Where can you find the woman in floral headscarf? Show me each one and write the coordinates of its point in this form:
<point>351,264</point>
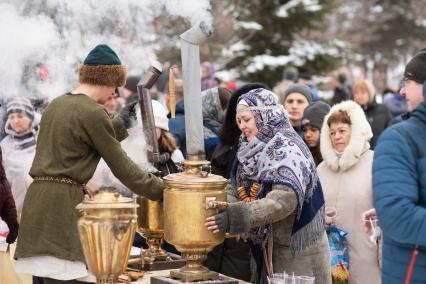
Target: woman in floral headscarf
<point>276,199</point>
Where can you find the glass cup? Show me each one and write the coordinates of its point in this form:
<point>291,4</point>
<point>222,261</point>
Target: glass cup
<point>375,229</point>
<point>284,278</point>
<point>305,280</point>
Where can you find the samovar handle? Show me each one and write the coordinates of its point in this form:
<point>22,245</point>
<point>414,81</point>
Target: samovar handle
<point>205,170</point>
<point>211,203</point>
<point>120,229</point>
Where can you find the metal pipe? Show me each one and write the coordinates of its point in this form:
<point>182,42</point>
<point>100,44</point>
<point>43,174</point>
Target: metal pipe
<point>190,52</point>
<point>148,123</point>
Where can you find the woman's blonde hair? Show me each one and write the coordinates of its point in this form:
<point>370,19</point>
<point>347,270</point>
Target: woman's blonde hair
<point>167,143</point>
<point>364,86</point>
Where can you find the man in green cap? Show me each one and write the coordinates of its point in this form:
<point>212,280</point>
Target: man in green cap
<point>75,132</point>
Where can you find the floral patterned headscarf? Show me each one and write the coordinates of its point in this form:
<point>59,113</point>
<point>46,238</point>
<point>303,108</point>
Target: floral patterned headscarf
<point>277,155</point>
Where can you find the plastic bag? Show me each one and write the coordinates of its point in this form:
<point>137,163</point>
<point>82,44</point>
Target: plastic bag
<point>339,255</point>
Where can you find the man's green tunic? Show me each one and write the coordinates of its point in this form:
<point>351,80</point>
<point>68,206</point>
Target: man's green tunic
<point>75,132</point>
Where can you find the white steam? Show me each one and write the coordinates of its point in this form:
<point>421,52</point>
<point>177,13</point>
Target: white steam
<point>59,34</point>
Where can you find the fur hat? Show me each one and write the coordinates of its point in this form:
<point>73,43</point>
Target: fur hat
<point>314,114</point>
<point>160,115</point>
<point>102,67</point>
<point>301,89</point>
<point>360,135</point>
<point>21,105</point>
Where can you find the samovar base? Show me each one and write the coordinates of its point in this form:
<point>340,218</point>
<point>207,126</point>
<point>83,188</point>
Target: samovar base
<point>107,280</point>
<point>192,276</point>
<point>150,256</point>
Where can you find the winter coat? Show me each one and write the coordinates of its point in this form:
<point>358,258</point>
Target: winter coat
<point>75,132</point>
<point>7,204</point>
<point>399,189</point>
<point>222,159</point>
<point>347,186</point>
<point>396,104</point>
<point>278,208</point>
<point>379,118</point>
<point>170,166</point>
<point>340,94</point>
<point>18,154</point>
<point>177,126</point>
<point>232,257</point>
<point>316,154</point>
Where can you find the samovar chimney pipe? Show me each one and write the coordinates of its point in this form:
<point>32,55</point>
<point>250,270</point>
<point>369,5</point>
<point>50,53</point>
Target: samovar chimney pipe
<point>190,50</point>
<point>148,123</point>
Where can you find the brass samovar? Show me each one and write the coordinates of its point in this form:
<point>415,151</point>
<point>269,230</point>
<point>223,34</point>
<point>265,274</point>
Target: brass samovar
<point>151,224</point>
<point>188,200</point>
<point>150,213</point>
<point>190,196</point>
<point>106,230</point>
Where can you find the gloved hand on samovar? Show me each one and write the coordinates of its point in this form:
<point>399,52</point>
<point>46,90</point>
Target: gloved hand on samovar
<point>233,219</point>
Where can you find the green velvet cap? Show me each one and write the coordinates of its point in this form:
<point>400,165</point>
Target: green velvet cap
<point>102,54</point>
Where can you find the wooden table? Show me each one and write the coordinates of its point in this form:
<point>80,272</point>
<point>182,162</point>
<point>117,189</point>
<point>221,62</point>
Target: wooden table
<point>147,276</point>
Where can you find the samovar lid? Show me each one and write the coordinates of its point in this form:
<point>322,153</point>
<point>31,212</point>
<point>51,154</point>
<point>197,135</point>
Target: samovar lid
<point>197,174</point>
<point>107,197</point>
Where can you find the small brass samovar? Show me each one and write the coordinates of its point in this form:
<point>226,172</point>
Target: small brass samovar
<point>107,229</point>
<point>151,224</point>
<point>150,213</point>
<point>188,201</point>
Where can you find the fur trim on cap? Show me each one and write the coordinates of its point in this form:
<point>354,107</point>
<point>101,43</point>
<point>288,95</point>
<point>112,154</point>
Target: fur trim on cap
<point>103,75</point>
<point>360,135</point>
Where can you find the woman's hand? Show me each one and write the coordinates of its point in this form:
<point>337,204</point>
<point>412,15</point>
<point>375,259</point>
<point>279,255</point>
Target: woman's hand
<point>366,216</point>
<point>218,222</point>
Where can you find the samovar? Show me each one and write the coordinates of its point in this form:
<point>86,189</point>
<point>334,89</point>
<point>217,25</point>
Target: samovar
<point>107,228</point>
<point>188,200</point>
<point>151,224</point>
<point>190,196</point>
<point>150,213</point>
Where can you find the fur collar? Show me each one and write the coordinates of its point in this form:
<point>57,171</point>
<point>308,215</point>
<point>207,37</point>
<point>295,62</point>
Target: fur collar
<point>358,144</point>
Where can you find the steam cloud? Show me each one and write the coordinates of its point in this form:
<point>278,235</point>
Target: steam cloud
<point>59,34</point>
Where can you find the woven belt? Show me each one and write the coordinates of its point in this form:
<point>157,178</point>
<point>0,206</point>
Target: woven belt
<point>62,180</point>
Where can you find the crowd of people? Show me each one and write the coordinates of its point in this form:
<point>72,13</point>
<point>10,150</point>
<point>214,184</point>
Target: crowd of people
<point>292,158</point>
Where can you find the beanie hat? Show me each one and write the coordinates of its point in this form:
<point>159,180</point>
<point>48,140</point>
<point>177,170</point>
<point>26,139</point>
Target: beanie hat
<point>102,67</point>
<point>301,89</point>
<point>132,83</point>
<point>416,68</point>
<point>21,105</point>
<point>160,115</point>
<point>314,114</point>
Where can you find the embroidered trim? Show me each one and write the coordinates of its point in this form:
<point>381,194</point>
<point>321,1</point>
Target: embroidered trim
<point>273,107</point>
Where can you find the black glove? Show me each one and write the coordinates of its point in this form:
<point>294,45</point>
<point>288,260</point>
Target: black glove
<point>13,233</point>
<point>222,221</point>
<point>164,157</point>
<point>128,114</point>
